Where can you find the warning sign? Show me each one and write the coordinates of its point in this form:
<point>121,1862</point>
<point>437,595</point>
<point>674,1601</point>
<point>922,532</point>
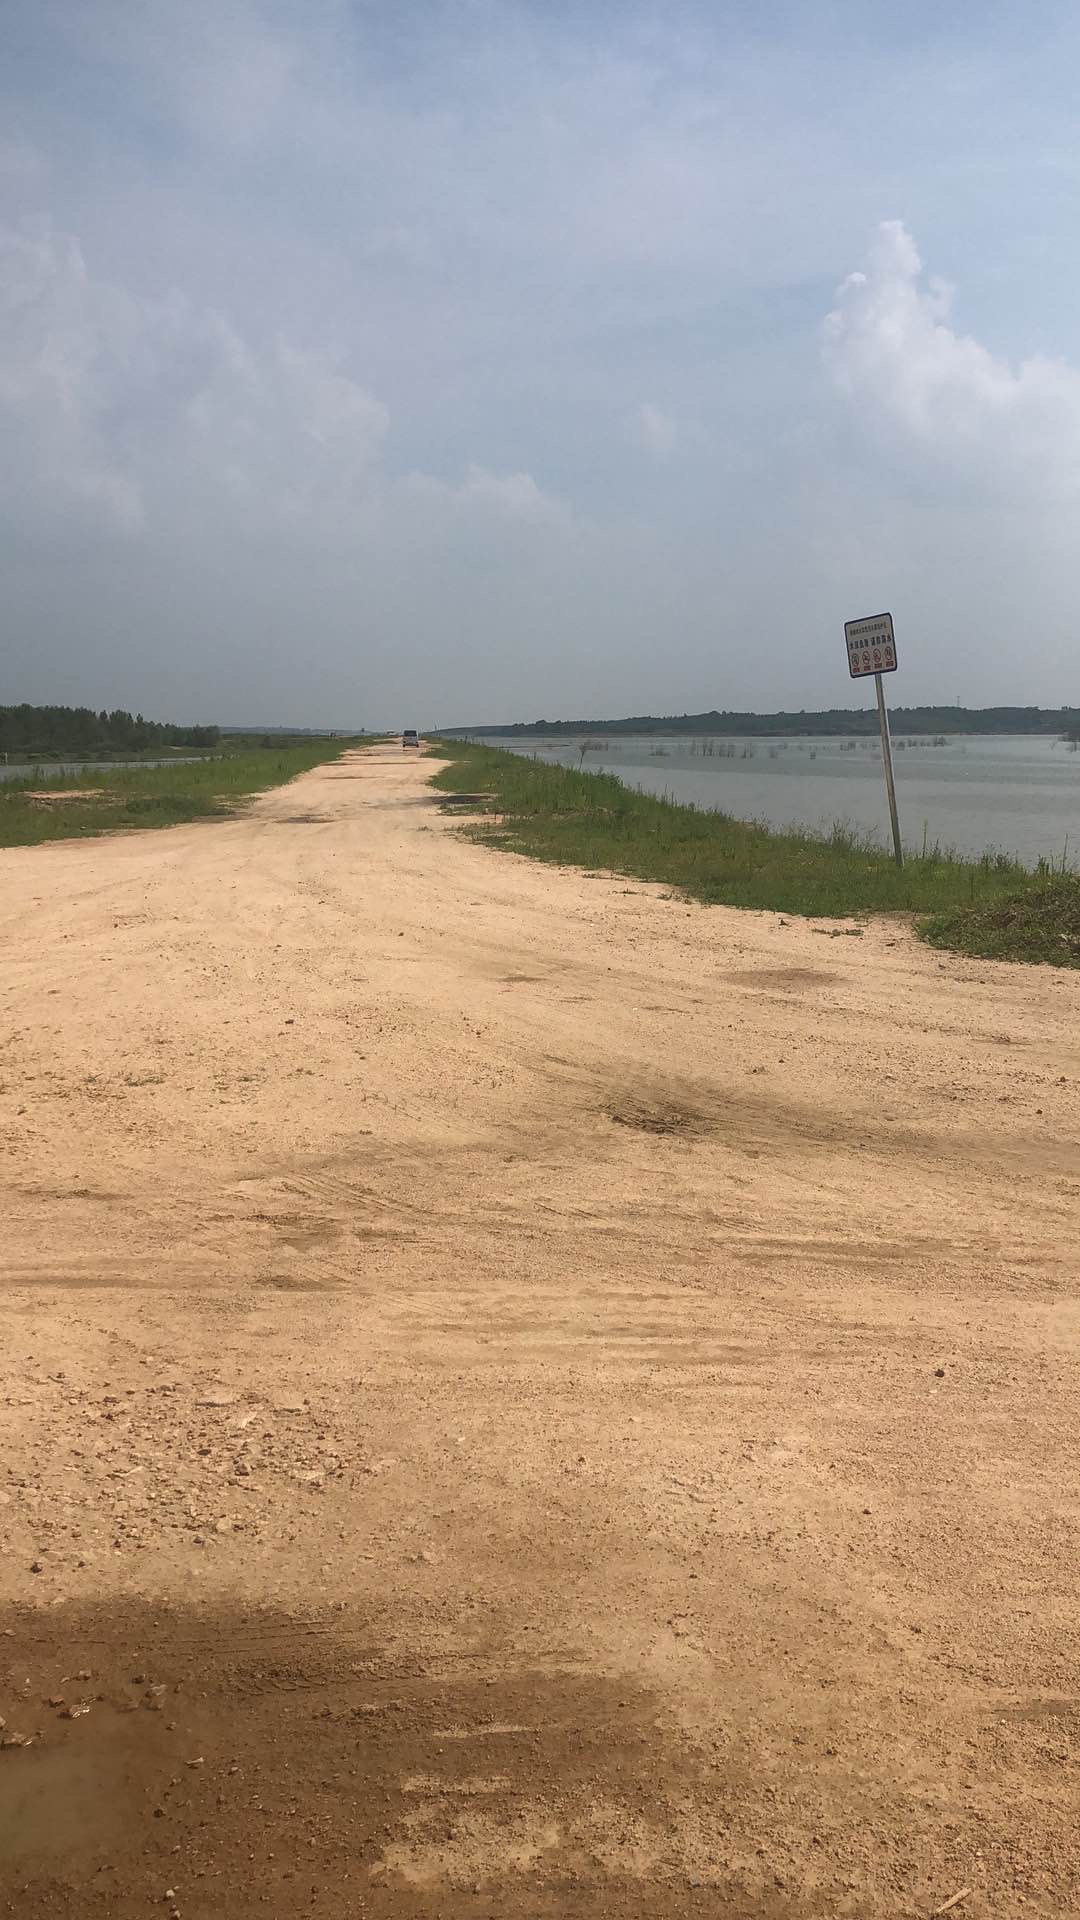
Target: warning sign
<point>871,645</point>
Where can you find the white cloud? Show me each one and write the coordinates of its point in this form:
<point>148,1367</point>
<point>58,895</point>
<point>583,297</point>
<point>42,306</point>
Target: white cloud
<point>922,387</point>
<point>161,418</point>
<point>61,342</point>
<point>653,429</point>
<point>132,411</point>
<point>513,496</point>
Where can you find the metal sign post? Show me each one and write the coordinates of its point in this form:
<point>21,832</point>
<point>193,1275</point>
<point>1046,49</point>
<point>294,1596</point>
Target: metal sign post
<point>871,648</point>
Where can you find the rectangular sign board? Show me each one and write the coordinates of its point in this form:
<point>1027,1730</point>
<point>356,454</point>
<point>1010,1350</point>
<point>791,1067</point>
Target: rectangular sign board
<point>871,645</point>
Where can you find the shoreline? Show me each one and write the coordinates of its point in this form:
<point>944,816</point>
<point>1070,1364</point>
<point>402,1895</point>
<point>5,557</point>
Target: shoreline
<point>994,906</point>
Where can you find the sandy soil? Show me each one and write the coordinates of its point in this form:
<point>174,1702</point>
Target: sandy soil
<point>522,1397</point>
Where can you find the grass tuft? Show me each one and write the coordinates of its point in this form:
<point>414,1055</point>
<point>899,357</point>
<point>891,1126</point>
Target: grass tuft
<point>1040,924</point>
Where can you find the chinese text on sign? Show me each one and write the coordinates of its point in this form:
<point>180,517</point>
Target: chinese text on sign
<point>871,645</point>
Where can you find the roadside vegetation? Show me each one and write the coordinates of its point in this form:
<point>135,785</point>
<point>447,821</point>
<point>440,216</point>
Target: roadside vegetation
<point>1040,923</point>
<point>102,799</point>
<point>591,820</point>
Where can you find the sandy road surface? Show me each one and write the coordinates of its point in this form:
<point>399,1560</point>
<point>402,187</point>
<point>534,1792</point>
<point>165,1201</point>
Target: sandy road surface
<point>521,1397</point>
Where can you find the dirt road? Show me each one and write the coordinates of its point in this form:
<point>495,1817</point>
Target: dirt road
<point>523,1397</point>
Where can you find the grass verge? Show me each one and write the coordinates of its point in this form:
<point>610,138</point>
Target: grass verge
<point>101,799</point>
<point>591,820</point>
<point>1041,924</point>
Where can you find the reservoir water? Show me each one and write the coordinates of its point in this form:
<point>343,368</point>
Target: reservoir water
<point>1014,794</point>
<point>59,769</point>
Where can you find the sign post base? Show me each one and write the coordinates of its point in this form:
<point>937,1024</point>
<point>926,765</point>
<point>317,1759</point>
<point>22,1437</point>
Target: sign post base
<point>886,754</point>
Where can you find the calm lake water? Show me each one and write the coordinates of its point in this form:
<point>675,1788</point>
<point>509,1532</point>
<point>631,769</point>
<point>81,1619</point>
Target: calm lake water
<point>1008,793</point>
<point>55,769</point>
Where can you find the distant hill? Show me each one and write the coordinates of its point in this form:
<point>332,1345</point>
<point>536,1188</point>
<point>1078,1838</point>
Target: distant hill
<point>843,720</point>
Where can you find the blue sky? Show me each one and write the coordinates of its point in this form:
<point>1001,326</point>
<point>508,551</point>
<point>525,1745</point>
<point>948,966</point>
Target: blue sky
<point>535,358</point>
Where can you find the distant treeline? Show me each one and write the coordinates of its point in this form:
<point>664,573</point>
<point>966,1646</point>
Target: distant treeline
<point>845,720</point>
<point>74,731</point>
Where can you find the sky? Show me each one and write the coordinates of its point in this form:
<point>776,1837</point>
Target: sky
<point>434,362</point>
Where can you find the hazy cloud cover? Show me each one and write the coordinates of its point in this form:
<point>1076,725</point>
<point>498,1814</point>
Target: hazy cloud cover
<point>467,360</point>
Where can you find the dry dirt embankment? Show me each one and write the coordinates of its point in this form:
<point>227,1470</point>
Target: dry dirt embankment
<point>522,1397</point>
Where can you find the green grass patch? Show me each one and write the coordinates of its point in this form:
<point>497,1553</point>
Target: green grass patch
<point>591,820</point>
<point>1040,924</point>
<point>107,798</point>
